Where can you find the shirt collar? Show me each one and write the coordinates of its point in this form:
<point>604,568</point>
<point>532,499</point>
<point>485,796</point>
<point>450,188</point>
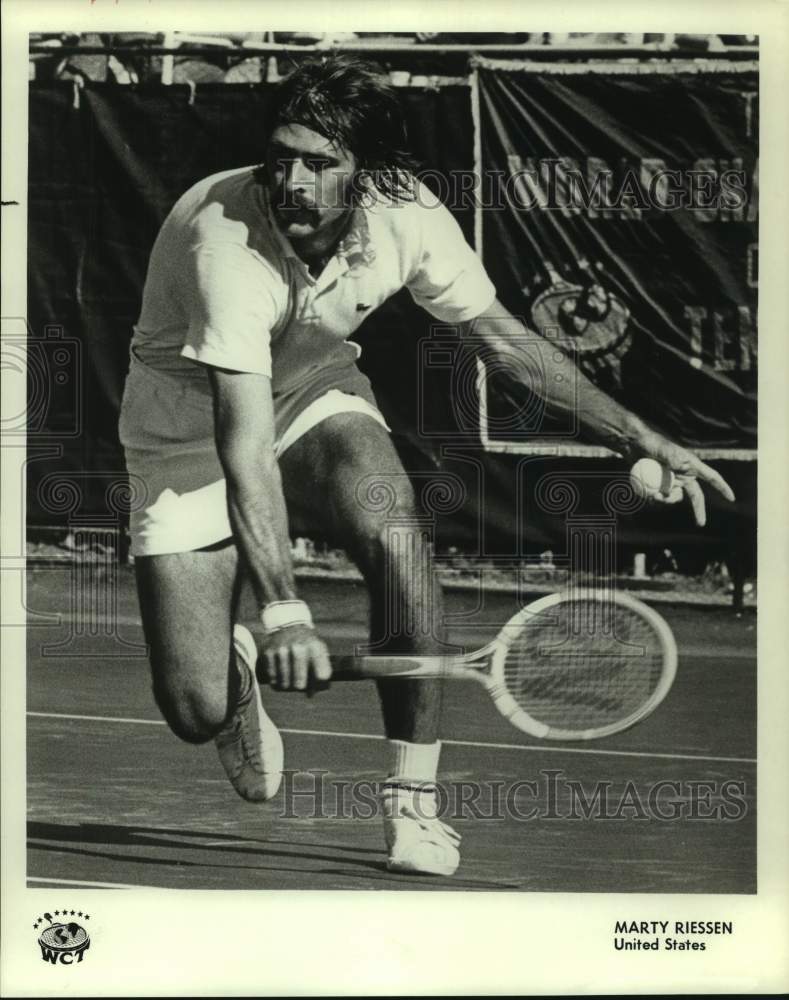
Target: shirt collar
<point>357,246</point>
<point>265,204</point>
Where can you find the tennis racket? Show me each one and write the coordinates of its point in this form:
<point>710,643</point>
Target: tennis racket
<point>575,666</point>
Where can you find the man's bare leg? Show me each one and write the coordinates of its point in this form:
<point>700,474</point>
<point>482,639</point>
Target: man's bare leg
<point>326,475</point>
<point>203,666</point>
<point>187,601</point>
<point>337,464</point>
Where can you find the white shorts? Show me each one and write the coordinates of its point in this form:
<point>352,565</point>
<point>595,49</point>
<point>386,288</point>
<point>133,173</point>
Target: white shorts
<point>167,431</point>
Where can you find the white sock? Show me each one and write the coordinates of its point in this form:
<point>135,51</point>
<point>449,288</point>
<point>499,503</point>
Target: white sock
<point>414,762</point>
<point>412,782</point>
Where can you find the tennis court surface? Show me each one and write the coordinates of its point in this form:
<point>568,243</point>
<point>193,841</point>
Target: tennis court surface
<point>114,799</point>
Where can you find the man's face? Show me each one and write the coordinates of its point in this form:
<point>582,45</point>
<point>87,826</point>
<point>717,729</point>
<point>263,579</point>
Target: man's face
<point>309,180</point>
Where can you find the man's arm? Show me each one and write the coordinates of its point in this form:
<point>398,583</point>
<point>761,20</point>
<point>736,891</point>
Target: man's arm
<point>244,429</point>
<point>531,359</point>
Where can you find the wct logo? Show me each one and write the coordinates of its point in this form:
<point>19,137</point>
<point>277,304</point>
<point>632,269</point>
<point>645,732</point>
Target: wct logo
<point>63,943</point>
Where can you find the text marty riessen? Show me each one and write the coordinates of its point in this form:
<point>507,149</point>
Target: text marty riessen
<point>667,935</point>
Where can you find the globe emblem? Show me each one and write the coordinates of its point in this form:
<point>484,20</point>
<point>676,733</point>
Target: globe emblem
<point>62,940</point>
<point>592,319</point>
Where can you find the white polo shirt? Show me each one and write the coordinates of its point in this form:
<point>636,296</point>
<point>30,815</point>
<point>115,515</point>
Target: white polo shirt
<point>225,288</point>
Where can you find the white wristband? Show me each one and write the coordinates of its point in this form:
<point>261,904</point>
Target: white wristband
<point>281,614</point>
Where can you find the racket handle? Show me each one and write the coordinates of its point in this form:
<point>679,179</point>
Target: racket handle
<point>365,667</point>
<point>359,668</point>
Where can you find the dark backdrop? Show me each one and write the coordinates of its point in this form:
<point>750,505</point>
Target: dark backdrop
<point>105,168</point>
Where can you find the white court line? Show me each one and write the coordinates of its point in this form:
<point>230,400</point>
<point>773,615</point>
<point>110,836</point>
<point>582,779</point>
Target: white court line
<point>593,751</point>
<point>96,718</point>
<point>82,884</point>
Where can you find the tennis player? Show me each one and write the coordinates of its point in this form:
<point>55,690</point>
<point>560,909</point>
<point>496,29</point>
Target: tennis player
<point>244,405</point>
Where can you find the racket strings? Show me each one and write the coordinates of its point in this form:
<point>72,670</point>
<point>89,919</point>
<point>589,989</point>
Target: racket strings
<point>579,667</point>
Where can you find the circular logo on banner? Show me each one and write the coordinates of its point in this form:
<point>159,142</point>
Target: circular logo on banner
<point>593,319</point>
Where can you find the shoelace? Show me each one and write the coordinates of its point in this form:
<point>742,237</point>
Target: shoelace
<point>440,833</point>
<point>235,733</point>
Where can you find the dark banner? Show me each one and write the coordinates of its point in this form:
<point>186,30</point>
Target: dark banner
<point>107,163</point>
<point>621,217</point>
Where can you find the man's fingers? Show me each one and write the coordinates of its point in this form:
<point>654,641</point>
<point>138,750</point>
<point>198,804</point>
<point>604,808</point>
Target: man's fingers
<point>684,463</point>
<point>673,495</point>
<point>300,661</point>
<point>271,667</point>
<point>296,660</point>
<point>715,480</point>
<point>688,469</point>
<point>318,661</point>
<point>321,663</point>
<point>320,669</point>
<point>283,667</point>
<point>696,496</point>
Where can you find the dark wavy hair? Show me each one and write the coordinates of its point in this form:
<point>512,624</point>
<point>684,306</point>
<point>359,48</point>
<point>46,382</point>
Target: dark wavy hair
<point>350,102</point>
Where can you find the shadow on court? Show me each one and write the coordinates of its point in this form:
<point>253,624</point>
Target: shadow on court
<point>193,849</point>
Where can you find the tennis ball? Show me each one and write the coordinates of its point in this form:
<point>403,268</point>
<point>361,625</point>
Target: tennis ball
<point>651,479</point>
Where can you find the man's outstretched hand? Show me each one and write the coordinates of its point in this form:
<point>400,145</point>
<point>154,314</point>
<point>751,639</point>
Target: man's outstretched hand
<point>689,471</point>
<point>294,658</point>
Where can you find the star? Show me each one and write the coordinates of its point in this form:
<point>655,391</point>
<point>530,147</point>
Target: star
<point>87,916</point>
<point>35,927</point>
<point>80,913</point>
<point>57,913</point>
<point>72,913</point>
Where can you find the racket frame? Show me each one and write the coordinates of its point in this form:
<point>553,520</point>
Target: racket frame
<point>486,665</point>
<point>497,651</point>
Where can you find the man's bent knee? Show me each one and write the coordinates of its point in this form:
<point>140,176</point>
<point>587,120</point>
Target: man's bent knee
<point>382,514</point>
<point>195,715</point>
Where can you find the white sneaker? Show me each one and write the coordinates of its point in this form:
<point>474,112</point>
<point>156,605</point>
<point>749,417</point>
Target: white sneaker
<point>250,746</point>
<point>417,840</point>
